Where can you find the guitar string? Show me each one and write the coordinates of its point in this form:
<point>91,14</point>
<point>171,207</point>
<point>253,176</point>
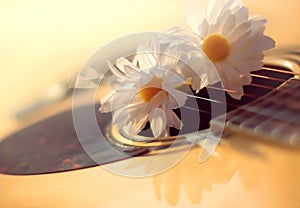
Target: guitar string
<point>261,77</point>
<point>245,94</point>
<point>268,78</point>
<point>258,85</point>
<point>232,91</point>
<point>194,109</point>
<point>280,71</point>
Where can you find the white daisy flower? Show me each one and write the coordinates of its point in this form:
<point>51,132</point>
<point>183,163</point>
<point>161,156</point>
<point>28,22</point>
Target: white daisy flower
<point>231,40</point>
<point>145,91</point>
<point>194,65</point>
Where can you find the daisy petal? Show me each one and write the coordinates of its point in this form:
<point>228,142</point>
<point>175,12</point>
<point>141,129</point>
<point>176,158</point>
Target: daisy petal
<point>132,132</point>
<point>126,66</point>
<point>246,79</point>
<point>203,29</point>
<point>119,101</point>
<point>241,15</point>
<point>120,118</point>
<point>116,71</point>
<point>239,31</point>
<point>176,98</point>
<point>214,8</point>
<point>264,42</point>
<point>145,58</point>
<point>140,124</point>
<point>177,122</point>
<point>235,92</point>
<point>170,59</point>
<point>105,99</point>
<point>230,4</point>
<point>229,74</point>
<point>172,119</point>
<point>158,121</point>
<point>154,45</point>
<point>228,25</point>
<point>258,25</point>
<point>159,99</point>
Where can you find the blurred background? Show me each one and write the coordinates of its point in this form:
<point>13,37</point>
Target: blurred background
<point>47,42</point>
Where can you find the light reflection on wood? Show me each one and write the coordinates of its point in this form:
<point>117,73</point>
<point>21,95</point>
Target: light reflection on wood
<point>263,167</point>
<point>264,176</point>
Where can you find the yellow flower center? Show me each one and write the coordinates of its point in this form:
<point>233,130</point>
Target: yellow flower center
<point>216,47</point>
<point>149,90</point>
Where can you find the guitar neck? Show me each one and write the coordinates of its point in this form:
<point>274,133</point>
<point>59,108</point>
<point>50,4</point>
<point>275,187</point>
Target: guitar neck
<point>273,117</point>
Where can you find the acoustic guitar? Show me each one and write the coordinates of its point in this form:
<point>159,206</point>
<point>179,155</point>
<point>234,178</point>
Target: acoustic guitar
<point>268,114</point>
<point>47,165</point>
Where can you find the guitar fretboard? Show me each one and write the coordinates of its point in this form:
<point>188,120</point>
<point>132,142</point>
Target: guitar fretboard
<point>275,116</point>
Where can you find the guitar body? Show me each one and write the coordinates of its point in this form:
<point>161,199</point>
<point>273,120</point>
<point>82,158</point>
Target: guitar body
<point>43,165</point>
<point>243,172</point>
